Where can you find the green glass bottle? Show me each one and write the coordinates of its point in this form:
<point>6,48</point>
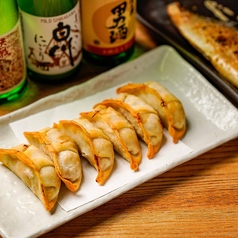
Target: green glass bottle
<point>52,38</point>
<point>108,30</point>
<point>12,60</point>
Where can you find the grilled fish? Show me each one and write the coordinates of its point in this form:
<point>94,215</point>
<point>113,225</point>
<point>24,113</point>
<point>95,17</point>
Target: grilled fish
<point>215,40</point>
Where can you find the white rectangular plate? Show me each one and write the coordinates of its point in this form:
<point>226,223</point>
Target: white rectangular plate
<point>212,120</point>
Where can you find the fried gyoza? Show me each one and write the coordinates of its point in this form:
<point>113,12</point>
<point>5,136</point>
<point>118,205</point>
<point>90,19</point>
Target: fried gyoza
<point>64,153</point>
<point>143,117</point>
<point>168,107</point>
<point>120,132</point>
<point>93,145</point>
<point>36,170</point>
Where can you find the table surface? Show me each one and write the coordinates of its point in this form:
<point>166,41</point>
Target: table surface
<point>196,199</point>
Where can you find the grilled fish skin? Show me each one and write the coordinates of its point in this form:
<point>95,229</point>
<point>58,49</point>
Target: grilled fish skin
<point>212,38</point>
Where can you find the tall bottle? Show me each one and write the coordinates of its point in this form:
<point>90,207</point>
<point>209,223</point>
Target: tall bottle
<point>12,60</point>
<point>108,30</point>
<point>52,38</point>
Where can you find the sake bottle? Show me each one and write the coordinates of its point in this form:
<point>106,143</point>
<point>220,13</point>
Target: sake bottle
<point>12,60</point>
<point>52,38</point>
<point>108,30</point>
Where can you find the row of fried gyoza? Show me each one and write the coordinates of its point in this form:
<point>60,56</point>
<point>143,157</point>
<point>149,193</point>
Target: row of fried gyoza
<point>54,153</point>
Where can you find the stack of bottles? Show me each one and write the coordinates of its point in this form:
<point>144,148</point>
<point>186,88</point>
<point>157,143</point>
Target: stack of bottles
<point>57,34</point>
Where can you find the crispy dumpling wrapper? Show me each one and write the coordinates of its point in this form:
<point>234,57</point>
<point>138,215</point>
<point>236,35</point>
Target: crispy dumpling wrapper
<point>142,116</point>
<point>93,145</point>
<point>120,132</point>
<point>169,108</point>
<point>36,170</point>
<point>64,153</point>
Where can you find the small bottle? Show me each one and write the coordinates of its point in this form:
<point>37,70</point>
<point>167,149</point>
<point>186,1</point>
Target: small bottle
<point>52,38</point>
<point>108,30</point>
<point>12,60</point>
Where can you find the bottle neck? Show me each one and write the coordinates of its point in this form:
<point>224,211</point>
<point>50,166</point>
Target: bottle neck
<point>8,15</point>
<point>47,8</point>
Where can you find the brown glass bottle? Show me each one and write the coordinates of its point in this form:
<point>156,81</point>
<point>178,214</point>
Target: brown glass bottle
<point>108,30</point>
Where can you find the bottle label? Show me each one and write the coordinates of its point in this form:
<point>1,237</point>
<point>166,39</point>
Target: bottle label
<point>52,44</point>
<point>12,62</point>
<point>108,27</point>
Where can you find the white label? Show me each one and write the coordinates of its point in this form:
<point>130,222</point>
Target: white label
<point>53,45</point>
